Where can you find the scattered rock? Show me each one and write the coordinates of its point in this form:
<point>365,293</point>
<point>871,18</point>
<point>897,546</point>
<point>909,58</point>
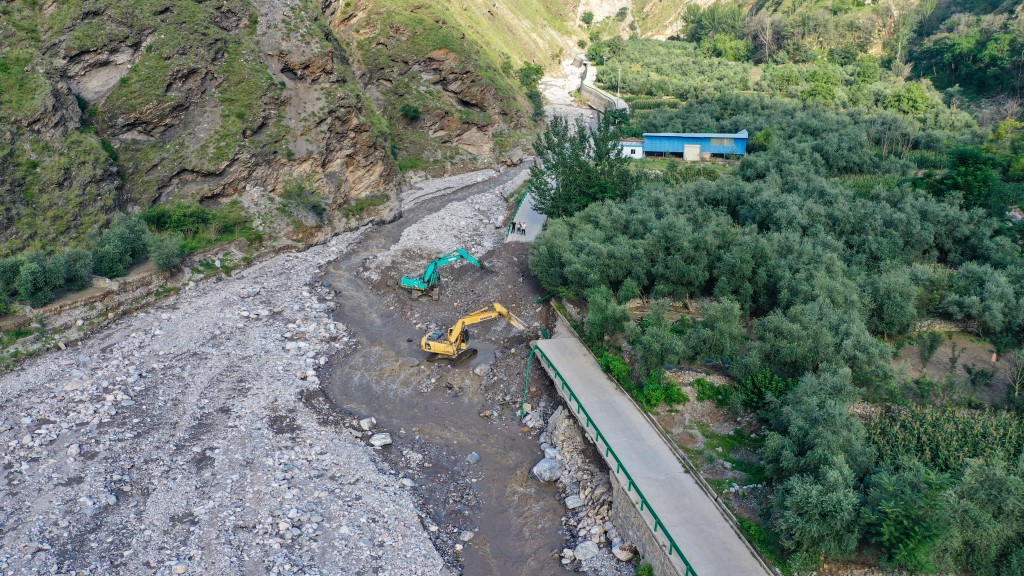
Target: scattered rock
<point>473,458</point>
<point>624,552</point>
<point>380,439</point>
<point>367,424</point>
<point>573,501</point>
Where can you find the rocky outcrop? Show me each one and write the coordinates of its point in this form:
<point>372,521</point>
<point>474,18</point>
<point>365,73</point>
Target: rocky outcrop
<point>462,109</point>
<point>202,101</point>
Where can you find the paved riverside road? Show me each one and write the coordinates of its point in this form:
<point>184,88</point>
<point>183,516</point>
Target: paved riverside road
<point>706,538</point>
<point>534,221</point>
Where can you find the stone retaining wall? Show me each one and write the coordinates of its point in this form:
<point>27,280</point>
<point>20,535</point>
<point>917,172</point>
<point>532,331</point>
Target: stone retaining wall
<point>627,517</point>
<point>626,514</point>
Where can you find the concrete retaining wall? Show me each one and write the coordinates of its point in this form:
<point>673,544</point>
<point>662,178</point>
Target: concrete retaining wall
<point>601,100</point>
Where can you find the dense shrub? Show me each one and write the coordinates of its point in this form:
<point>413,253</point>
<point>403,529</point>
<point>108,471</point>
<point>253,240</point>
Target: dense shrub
<point>411,112</point>
<point>818,452</point>
<point>166,250</point>
<point>77,267</point>
<point>202,226</point>
<point>9,269</point>
<point>719,335</point>
<point>120,246</point>
<point>604,316</point>
<point>33,285</point>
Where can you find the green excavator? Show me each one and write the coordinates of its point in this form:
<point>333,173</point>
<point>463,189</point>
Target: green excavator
<point>431,278</point>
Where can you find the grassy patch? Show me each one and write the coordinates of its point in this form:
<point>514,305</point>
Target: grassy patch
<point>361,205</point>
<point>8,337</point>
<point>410,164</point>
<point>766,542</point>
<point>300,199</point>
<point>203,227</point>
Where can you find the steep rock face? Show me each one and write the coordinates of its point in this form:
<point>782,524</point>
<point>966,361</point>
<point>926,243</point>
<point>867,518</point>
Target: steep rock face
<point>113,105</point>
<point>454,101</point>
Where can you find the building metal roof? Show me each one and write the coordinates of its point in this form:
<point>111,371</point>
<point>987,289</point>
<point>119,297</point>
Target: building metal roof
<point>740,134</point>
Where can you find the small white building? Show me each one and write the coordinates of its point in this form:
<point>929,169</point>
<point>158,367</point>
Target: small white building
<point>632,147</point>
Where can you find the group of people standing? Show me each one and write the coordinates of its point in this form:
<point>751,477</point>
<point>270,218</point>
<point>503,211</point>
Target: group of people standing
<point>517,228</point>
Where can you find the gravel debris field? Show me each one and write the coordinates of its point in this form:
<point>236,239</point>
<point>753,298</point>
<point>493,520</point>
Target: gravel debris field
<point>177,441</point>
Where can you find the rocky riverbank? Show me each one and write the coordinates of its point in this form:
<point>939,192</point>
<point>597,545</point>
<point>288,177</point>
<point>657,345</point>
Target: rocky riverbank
<point>587,494</point>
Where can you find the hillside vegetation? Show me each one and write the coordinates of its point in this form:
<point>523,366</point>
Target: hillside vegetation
<point>108,107</point>
<point>871,205</point>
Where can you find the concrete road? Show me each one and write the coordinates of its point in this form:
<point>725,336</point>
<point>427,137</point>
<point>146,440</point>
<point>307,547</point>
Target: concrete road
<point>534,221</point>
<point>706,538</point>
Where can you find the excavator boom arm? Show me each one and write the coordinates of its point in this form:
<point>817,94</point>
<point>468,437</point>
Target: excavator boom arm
<point>455,334</point>
<point>430,275</point>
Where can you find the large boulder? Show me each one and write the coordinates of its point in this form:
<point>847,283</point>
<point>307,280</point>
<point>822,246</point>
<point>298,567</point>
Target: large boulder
<point>586,550</point>
<point>548,470</point>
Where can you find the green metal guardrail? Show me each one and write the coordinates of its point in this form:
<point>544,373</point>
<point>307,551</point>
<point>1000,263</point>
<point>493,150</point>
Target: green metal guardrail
<point>608,451</point>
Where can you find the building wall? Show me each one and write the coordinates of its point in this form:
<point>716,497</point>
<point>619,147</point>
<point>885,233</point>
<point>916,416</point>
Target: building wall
<point>676,144</point>
<point>633,150</point>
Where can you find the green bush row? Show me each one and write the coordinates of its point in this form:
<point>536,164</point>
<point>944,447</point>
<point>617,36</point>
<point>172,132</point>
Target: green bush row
<point>164,233</point>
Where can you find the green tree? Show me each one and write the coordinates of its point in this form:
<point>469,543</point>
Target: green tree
<point>869,70</point>
<point>9,269</point>
<point>605,317</point>
<point>980,293</point>
<point>988,513</point>
<point>33,286</point>
<point>578,166</point>
<point>530,75</point>
<point>893,297</point>
<point>587,18</point>
<point>819,516</point>
<point>77,268</point>
<point>907,513</point>
<point>818,452</point>
<point>728,47</point>
<point>718,18</point>
<point>654,342</point>
<point>166,250</point>
<point>120,247</point>
<point>719,335</point>
<point>910,99</point>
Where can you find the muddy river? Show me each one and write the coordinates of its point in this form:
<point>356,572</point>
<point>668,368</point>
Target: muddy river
<point>434,411</point>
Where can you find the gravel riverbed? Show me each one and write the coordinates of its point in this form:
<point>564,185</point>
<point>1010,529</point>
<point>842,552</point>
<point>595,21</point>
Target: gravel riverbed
<point>177,441</point>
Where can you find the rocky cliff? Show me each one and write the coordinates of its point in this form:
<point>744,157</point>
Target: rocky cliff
<point>444,73</point>
<point>305,110</point>
<point>126,104</point>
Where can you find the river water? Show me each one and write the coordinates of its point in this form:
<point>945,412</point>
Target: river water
<point>517,521</point>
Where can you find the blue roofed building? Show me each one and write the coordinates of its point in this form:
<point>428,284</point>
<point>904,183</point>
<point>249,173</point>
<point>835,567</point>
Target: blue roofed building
<point>694,146</point>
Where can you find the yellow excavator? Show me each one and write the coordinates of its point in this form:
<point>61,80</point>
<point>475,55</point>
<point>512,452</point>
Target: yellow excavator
<point>454,344</point>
